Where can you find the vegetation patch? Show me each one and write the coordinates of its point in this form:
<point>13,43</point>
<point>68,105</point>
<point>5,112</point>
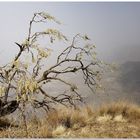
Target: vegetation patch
<point>81,123</point>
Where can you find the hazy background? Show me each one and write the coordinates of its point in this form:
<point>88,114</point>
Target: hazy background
<point>114,28</point>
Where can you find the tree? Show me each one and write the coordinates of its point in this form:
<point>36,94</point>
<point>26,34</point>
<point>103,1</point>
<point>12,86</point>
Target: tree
<point>25,82</point>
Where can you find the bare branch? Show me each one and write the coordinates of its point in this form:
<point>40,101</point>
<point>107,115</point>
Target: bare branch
<point>29,80</point>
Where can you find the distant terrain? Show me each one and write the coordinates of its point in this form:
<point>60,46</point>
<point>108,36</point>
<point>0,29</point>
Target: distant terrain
<point>130,76</point>
<point>122,84</point>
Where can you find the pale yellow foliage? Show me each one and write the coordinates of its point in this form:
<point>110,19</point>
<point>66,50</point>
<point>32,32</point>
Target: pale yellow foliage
<point>49,17</point>
<point>16,63</point>
<point>26,86</point>
<point>56,34</point>
<point>2,90</point>
<point>25,43</point>
<point>43,53</point>
<point>94,55</point>
<point>33,60</point>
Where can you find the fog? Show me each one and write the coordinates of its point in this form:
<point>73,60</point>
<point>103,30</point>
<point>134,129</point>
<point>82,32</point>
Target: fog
<point>112,26</point>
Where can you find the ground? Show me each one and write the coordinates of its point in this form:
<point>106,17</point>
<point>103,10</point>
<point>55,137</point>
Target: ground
<point>116,120</point>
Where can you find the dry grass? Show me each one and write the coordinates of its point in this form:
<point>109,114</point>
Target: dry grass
<point>127,110</point>
<point>67,118</point>
<point>116,120</point>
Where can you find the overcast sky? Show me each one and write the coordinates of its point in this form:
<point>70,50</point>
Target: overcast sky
<point>113,27</point>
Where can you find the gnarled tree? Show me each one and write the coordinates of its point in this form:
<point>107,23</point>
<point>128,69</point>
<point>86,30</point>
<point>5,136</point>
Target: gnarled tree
<point>25,81</point>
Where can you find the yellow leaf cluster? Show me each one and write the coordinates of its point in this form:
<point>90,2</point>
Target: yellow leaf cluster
<point>25,43</point>
<point>56,34</point>
<point>43,53</point>
<point>94,55</point>
<point>33,59</point>
<point>79,56</point>
<point>26,66</point>
<point>49,17</point>
<point>26,86</point>
<point>16,63</point>
<point>2,90</point>
<point>46,15</point>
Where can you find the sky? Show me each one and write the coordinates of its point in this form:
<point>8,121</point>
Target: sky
<point>114,27</point>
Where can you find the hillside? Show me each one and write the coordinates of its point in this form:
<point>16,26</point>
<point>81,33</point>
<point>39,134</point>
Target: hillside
<point>116,120</point>
<point>130,76</point>
<point>122,84</point>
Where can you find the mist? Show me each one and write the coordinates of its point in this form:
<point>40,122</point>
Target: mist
<point>112,26</point>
